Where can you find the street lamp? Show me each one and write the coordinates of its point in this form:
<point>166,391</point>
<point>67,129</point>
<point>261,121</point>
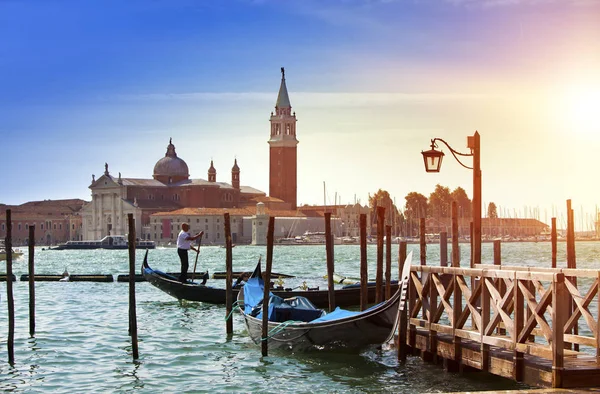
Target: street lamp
<point>433,162</point>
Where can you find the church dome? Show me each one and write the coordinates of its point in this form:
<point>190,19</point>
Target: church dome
<point>171,166</point>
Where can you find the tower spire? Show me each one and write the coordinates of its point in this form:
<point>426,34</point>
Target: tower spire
<point>283,100</point>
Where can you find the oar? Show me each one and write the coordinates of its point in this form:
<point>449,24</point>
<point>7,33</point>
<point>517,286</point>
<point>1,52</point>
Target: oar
<point>196,262</point>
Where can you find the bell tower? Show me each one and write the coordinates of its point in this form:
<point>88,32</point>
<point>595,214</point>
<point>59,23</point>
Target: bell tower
<point>282,148</point>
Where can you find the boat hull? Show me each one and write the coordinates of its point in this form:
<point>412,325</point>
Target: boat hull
<point>372,327</point>
<point>213,295</point>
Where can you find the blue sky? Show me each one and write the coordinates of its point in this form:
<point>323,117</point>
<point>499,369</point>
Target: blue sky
<point>88,82</point>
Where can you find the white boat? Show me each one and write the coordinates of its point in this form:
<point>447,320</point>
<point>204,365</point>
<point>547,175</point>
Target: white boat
<point>16,253</point>
<point>108,242</point>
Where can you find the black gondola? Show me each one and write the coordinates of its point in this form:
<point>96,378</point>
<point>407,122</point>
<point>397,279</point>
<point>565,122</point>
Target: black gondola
<point>193,291</point>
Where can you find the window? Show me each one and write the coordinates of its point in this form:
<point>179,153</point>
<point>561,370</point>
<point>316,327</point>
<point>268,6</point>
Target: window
<point>206,227</point>
<point>205,220</point>
<point>60,226</point>
<point>55,226</point>
<point>73,227</point>
<point>218,235</point>
<point>197,220</point>
<point>218,220</point>
<point>19,226</point>
<point>26,226</point>
<point>41,226</point>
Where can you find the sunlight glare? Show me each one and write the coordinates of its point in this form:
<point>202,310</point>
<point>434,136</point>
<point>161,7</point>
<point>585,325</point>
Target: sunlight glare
<point>583,109</point>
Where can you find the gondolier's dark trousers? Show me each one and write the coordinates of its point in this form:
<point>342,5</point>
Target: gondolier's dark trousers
<point>185,264</point>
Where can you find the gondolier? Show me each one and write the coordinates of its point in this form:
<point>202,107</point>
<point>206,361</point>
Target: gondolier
<point>184,244</point>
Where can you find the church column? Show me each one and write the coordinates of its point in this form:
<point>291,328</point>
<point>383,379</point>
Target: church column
<point>113,218</point>
<point>92,231</point>
<point>101,217</point>
<point>121,218</point>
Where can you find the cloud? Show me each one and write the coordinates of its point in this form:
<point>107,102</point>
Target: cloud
<point>306,99</point>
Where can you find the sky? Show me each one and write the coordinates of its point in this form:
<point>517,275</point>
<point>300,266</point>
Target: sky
<point>83,83</point>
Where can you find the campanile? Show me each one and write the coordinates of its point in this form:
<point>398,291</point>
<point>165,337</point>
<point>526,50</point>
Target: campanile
<point>282,148</point>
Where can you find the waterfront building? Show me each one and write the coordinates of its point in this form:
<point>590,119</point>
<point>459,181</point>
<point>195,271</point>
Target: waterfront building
<point>55,221</point>
<point>490,227</point>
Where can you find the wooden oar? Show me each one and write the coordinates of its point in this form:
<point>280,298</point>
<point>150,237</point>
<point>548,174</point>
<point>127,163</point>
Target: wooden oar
<point>196,262</point>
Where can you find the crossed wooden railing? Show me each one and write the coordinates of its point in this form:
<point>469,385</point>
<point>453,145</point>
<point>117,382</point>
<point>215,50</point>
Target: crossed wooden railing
<point>529,311</point>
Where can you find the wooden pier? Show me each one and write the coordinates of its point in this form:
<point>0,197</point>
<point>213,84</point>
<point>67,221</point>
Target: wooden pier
<point>534,325</point>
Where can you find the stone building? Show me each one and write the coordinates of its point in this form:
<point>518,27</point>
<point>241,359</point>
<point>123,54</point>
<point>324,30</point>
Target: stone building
<point>55,221</point>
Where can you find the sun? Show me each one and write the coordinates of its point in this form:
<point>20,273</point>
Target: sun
<point>583,109</point>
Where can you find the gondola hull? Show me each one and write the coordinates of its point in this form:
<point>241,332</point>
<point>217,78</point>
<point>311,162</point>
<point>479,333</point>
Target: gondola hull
<point>345,329</point>
<point>195,292</point>
<point>369,328</point>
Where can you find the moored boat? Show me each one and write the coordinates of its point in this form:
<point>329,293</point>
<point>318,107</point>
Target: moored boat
<point>108,242</point>
<point>298,324</point>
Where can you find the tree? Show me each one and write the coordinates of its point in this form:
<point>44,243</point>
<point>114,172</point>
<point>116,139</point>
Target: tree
<point>416,205</point>
<point>492,211</point>
<point>440,202</point>
<point>382,199</point>
<point>463,202</point>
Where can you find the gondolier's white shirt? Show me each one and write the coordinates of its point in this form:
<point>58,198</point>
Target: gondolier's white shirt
<point>182,242</point>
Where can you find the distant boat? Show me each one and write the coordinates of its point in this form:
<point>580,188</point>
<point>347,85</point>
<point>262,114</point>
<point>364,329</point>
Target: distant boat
<point>108,242</point>
<point>16,253</point>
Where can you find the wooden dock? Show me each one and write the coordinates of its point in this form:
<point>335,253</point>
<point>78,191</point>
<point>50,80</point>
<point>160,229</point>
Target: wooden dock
<point>534,325</point>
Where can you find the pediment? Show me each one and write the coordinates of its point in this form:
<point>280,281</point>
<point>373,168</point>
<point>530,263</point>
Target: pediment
<point>105,182</point>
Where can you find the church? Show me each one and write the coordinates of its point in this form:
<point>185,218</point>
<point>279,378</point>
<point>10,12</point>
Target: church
<point>155,202</point>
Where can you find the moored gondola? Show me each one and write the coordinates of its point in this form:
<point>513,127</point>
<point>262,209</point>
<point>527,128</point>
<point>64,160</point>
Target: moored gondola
<point>297,324</point>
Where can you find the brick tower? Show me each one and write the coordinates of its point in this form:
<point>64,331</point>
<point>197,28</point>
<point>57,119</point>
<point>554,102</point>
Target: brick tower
<point>282,147</point>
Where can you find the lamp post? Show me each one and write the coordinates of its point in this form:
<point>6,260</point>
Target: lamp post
<point>433,162</point>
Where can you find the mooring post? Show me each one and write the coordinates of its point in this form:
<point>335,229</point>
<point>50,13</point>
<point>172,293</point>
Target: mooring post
<point>364,271</point>
<point>554,240</point>
<point>571,263</point>
<point>228,275</point>
<point>443,249</point>
<point>561,309</point>
<point>379,272</point>
<point>455,247</point>
<point>267,285</point>
<point>330,267</point>
<point>10,343</point>
<point>388,262</point>
<point>519,322</point>
<point>31,281</point>
<point>500,284</point>
<point>422,241</point>
<point>402,323</point>
<point>132,312</point>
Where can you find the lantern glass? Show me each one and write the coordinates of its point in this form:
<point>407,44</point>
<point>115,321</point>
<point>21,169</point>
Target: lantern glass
<point>433,160</point>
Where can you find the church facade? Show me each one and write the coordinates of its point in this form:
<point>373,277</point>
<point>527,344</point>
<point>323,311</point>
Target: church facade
<point>171,189</point>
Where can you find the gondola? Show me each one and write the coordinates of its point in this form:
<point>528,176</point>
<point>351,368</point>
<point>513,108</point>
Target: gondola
<point>296,324</point>
<point>193,291</point>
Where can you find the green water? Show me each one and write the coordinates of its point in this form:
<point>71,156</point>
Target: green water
<point>82,345</point>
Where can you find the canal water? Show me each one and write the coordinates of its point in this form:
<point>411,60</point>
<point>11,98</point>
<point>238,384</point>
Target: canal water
<point>82,345</point>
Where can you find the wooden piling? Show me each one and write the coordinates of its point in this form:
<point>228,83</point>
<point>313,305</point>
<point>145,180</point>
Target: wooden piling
<point>388,262</point>
<point>330,267</point>
<point>403,316</point>
<point>10,343</point>
<point>379,272</point>
<point>455,247</point>
<point>443,249</point>
<point>497,253</point>
<point>31,281</point>
<point>572,262</point>
<point>554,240</point>
<point>132,312</point>
<point>422,241</point>
<point>364,271</point>
<point>229,275</point>
<point>472,264</point>
<point>267,284</point>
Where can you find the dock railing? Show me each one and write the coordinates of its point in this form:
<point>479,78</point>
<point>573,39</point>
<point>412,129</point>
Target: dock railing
<point>540,312</point>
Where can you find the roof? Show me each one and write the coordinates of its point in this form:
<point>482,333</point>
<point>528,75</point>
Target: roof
<point>249,211</point>
<point>283,100</point>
